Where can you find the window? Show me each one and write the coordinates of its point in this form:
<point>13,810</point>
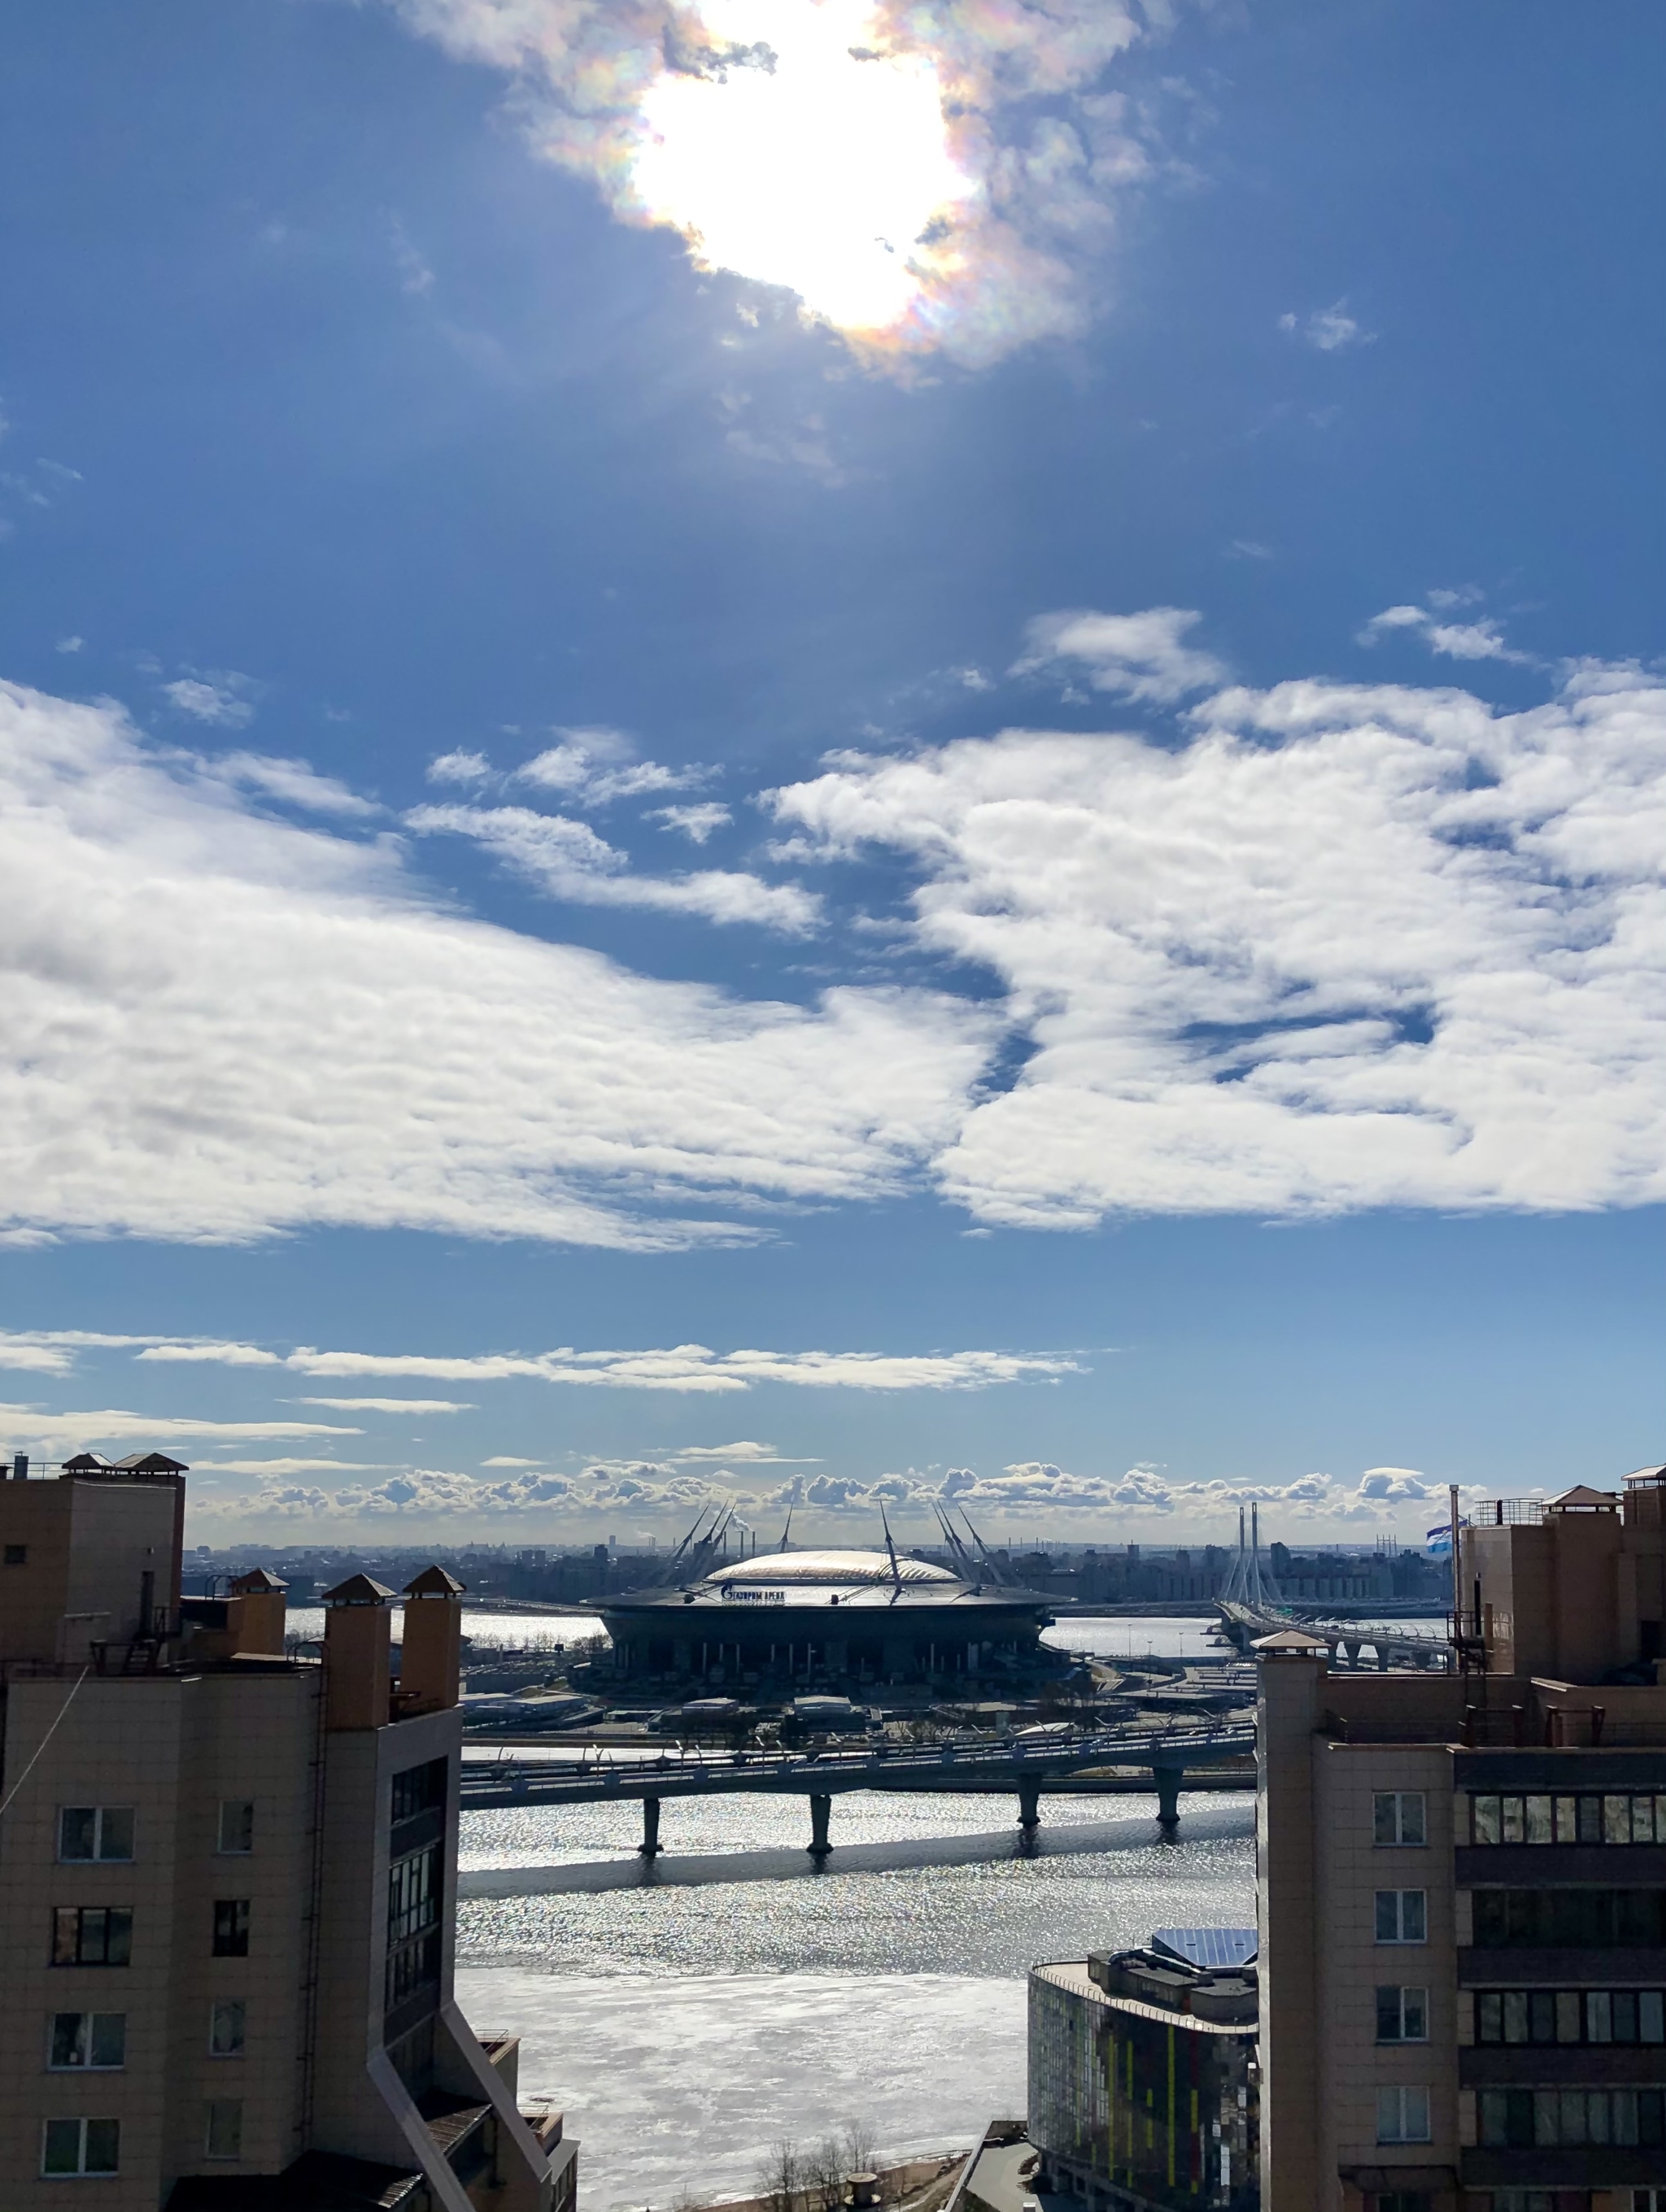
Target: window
<point>79,2147</point>
<point>88,2039</point>
<point>92,1935</point>
<point>96,1831</point>
<point>1525,2119</point>
<point>1402,2015</point>
<point>226,2028</point>
<point>413,1894</point>
<point>1626,1817</point>
<point>1403,2116</point>
<point>1400,1816</point>
<point>223,2137</point>
<point>1401,2200</point>
<point>236,1826</point>
<point>1403,1916</point>
<point>17,1555</point>
<point>419,1789</point>
<point>1570,1919</point>
<point>1551,2016</point>
<point>231,1926</point>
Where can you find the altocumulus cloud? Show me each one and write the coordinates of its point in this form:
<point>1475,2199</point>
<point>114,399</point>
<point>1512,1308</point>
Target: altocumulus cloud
<point>1326,946</point>
<point>237,1024</point>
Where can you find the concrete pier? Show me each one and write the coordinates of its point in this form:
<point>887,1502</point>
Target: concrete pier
<point>820,1808</point>
<point>1168,1779</point>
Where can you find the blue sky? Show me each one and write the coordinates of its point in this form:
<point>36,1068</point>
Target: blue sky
<point>1028,808</point>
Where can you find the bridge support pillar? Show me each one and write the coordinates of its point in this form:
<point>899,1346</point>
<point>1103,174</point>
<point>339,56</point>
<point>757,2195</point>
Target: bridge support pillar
<point>1167,1779</point>
<point>820,1807</point>
<point>649,1846</point>
<point>1029,1800</point>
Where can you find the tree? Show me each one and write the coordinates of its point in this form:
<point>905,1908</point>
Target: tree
<point>858,2147</point>
<point>780,2177</point>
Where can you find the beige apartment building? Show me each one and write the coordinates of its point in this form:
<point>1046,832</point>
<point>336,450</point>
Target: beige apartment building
<point>1462,1887</point>
<point>225,1886</point>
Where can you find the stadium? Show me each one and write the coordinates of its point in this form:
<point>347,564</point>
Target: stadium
<point>849,1619</point>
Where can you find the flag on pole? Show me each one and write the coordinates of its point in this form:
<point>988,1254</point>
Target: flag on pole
<point>1439,1543</point>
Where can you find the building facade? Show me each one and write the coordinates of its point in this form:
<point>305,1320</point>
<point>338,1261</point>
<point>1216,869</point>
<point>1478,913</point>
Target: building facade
<point>1143,2082</point>
<point>225,1885</point>
<point>1463,1888</point>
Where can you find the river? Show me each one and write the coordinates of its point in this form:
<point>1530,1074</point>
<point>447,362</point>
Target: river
<point>685,2028</point>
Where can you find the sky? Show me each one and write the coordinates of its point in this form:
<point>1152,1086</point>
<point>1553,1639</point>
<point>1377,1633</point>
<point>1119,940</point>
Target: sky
<point>833,752</point>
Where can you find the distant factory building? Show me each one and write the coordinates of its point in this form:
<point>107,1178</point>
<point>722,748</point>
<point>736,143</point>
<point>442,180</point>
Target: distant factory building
<point>851,1618</point>
<point>1143,2082</point>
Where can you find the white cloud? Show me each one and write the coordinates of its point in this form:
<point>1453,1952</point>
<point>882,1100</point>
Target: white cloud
<point>593,767</point>
<point>696,823</point>
<point>1471,641</point>
<point>191,1350</point>
<point>204,702</point>
<point>1329,330</point>
<point>390,1404</point>
<point>238,1025</point>
<point>568,859</point>
<point>296,782</point>
<point>994,154</point>
<point>286,1466</point>
<point>53,1351</point>
<point>1342,946</point>
<point>459,768</point>
<point>693,1367</point>
<point>1142,656</point>
<point>69,644</point>
<point>106,1427</point>
<point>438,1498</point>
<point>756,1454</point>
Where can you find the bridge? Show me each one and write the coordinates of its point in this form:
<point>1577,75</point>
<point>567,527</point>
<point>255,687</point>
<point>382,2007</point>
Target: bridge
<point>1424,1647</point>
<point>1022,1764</point>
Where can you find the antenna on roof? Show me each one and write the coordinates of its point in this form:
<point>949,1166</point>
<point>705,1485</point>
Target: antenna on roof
<point>896,1571</point>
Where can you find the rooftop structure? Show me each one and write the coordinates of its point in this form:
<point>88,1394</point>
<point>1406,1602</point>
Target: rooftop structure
<point>227,1877</point>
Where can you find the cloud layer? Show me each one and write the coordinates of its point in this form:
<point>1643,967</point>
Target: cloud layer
<point>993,150</point>
<point>217,1024</point>
<point>1333,946</point>
<point>1026,1498</point>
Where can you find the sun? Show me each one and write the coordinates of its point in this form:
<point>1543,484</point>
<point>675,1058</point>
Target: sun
<point>790,146</point>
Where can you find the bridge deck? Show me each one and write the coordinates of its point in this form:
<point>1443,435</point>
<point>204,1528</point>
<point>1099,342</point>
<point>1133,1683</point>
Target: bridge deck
<point>504,1782</point>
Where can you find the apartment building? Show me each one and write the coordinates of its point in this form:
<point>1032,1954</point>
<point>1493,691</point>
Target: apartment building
<point>1462,1887</point>
<point>226,1883</point>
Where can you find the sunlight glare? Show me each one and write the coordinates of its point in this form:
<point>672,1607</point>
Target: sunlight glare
<point>820,173</point>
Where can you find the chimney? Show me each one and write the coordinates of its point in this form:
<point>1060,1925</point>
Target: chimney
<point>355,1654</point>
<point>254,1614</point>
<point>432,1643</point>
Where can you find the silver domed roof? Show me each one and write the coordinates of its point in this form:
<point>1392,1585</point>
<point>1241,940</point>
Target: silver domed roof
<point>842,1568</point>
